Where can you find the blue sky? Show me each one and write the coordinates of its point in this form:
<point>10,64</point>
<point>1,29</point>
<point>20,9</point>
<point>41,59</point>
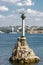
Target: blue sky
<point>10,11</point>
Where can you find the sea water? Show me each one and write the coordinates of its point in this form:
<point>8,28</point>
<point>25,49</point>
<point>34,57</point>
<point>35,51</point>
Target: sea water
<point>8,41</point>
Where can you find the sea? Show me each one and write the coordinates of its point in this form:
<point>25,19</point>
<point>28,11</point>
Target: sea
<point>8,41</point>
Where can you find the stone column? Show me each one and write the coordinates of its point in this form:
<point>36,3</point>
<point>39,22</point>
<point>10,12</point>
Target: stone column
<point>23,24</point>
<point>23,27</point>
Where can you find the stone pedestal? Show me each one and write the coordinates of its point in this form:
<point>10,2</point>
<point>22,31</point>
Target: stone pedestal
<point>22,53</point>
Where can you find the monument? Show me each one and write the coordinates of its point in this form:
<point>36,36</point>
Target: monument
<point>21,52</point>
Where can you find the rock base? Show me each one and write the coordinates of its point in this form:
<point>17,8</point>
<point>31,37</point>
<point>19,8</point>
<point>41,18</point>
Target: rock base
<point>22,53</point>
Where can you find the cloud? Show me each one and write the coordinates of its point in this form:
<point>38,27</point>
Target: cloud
<point>41,14</point>
<point>1,16</point>
<point>37,19</point>
<point>29,2</point>
<point>20,2</point>
<point>20,10</point>
<point>25,3</point>
<point>12,16</point>
<point>12,19</point>
<point>3,8</point>
<point>34,12</point>
<point>33,17</point>
<point>11,1</point>
<point>30,12</point>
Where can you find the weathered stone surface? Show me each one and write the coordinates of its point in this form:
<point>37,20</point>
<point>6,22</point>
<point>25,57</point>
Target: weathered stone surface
<point>23,53</point>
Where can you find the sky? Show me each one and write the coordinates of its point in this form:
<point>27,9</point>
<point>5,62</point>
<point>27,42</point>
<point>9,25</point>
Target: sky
<point>10,12</point>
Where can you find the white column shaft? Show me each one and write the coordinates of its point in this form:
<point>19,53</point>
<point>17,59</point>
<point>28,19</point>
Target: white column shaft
<point>23,27</point>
